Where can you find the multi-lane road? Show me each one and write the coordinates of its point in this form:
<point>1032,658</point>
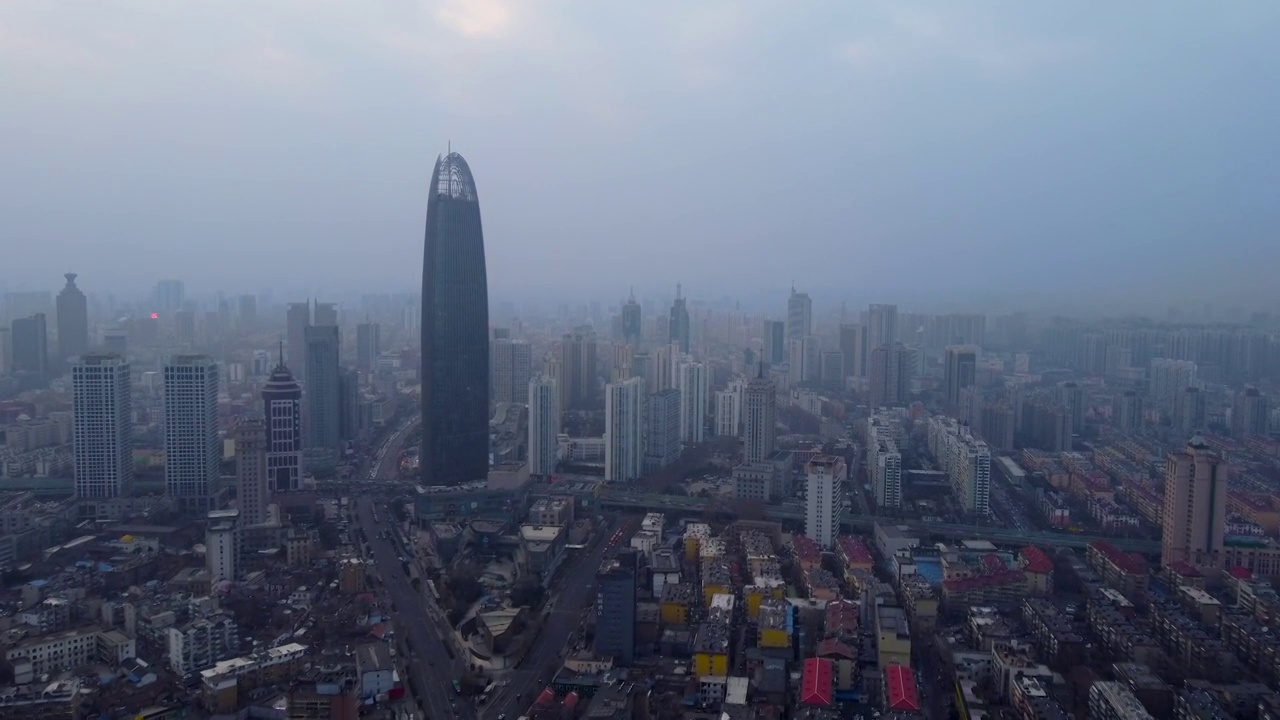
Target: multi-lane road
<point>574,591</point>
<point>429,668</point>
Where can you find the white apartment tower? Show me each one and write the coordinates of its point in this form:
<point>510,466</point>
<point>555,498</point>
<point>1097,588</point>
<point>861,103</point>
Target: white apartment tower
<point>544,425</point>
<point>510,370</point>
<point>192,448</point>
<point>222,545</point>
<point>824,498</point>
<point>728,412</point>
<point>623,430</point>
<point>102,427</point>
<point>692,378</point>
<point>759,419</point>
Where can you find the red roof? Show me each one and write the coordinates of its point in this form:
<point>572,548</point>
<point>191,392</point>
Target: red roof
<point>546,697</point>
<point>842,617</point>
<point>1184,568</point>
<point>815,682</point>
<point>571,700</point>
<point>1240,573</point>
<point>807,548</point>
<point>992,563</point>
<point>1034,560</point>
<point>855,551</point>
<point>1126,562</point>
<point>900,682</point>
<point>831,648</point>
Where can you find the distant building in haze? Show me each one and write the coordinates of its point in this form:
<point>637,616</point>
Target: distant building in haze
<point>799,316</point>
<point>253,485</point>
<point>73,323</point>
<point>321,391</point>
<point>544,425</point>
<point>679,327</point>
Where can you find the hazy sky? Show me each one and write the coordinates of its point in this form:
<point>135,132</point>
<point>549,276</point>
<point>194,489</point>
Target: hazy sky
<point>886,147</point>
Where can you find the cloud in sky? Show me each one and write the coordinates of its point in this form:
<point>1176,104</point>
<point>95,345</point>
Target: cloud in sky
<point>726,143</point>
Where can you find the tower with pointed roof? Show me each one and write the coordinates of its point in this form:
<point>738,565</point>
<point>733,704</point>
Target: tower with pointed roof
<point>282,407</point>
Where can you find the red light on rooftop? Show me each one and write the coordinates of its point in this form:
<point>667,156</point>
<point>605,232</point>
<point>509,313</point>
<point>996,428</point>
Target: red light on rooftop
<point>155,316</point>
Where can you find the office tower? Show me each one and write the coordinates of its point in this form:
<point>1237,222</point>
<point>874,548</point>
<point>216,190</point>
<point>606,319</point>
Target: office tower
<point>192,448</point>
<point>662,430</point>
<point>824,498</point>
<point>882,326</point>
<point>73,323</point>
<point>631,321</point>
<point>623,430</point>
<point>102,427</point>
<point>368,346</point>
<point>774,348</point>
<point>799,315</point>
<point>679,326</point>
<point>1195,506</point>
<point>325,315</point>
<point>795,363</point>
<point>282,406</point>
<point>1250,414</point>
<point>297,320</point>
<point>576,364</point>
<point>222,546</point>
<point>1189,414</point>
<point>853,345</point>
<point>831,369</point>
<point>544,425</point>
<point>759,419</point>
<point>1169,378</point>
<point>455,331</point>
<point>1126,411</point>
<point>30,352</point>
<point>350,406</point>
<point>6,349</point>
<point>1071,396</point>
<point>693,402</point>
<point>510,369</point>
<point>169,297</point>
<point>246,312</point>
<point>253,486</point>
<point>323,426</point>
<point>615,635</point>
<point>961,372</point>
<point>666,360</point>
<point>728,412</point>
<point>618,362</point>
<point>889,375</point>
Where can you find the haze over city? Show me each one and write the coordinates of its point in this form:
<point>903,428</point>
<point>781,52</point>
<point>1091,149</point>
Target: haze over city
<point>1097,157</point>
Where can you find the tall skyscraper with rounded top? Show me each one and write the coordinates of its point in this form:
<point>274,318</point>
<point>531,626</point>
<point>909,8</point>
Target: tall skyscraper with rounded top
<point>455,331</point>
<point>73,323</point>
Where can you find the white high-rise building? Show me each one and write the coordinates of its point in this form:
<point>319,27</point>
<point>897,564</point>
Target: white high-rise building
<point>965,459</point>
<point>192,448</point>
<point>222,545</point>
<point>102,427</point>
<point>799,315</point>
<point>882,325</point>
<point>624,430</point>
<point>544,425</point>
<point>1169,381</point>
<point>729,412</point>
<point>693,402</point>
<point>510,369</point>
<point>759,419</point>
<point>824,498</point>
